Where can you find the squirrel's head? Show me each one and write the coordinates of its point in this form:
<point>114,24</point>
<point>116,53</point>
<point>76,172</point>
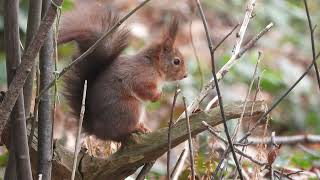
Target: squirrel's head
<point>171,61</point>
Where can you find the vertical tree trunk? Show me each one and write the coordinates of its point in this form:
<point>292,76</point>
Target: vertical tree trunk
<point>18,128</point>
<point>11,170</point>
<point>34,17</point>
<point>45,109</point>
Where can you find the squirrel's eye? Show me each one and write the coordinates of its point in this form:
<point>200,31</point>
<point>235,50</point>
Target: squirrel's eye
<point>176,61</point>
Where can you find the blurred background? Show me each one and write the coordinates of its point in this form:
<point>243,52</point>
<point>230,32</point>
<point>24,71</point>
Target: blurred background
<point>285,54</point>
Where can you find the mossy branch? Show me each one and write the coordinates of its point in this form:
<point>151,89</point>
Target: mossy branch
<point>145,148</point>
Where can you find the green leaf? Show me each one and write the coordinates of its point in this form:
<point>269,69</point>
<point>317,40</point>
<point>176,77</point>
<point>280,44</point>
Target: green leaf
<point>312,121</point>
<point>303,160</point>
<point>67,5</point>
<point>4,159</point>
<point>271,81</point>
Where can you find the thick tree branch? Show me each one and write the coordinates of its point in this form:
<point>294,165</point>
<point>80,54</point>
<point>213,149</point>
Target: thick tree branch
<point>146,148</point>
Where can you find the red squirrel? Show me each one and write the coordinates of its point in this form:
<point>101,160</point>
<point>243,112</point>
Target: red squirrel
<point>117,84</point>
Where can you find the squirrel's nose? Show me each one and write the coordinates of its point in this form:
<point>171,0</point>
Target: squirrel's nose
<point>186,75</point>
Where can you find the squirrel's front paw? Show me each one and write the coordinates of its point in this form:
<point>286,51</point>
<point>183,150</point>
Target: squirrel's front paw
<point>156,97</point>
<point>141,128</point>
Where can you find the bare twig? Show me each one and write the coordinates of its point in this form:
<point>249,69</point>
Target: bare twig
<point>209,105</point>
<point>247,96</point>
<point>40,177</point>
<point>273,144</point>
<point>289,140</point>
<point>77,145</point>
<point>189,139</point>
<point>26,64</point>
<point>211,102</point>
<point>258,89</point>
<point>222,72</point>
<point>145,170</point>
<point>205,24</point>
<point>177,91</point>
<point>239,151</point>
<point>34,119</point>
<point>221,160</point>
<point>225,37</point>
<point>55,98</point>
<point>312,42</point>
<point>246,100</point>
<point>177,163</point>
<point>225,69</point>
<point>94,46</point>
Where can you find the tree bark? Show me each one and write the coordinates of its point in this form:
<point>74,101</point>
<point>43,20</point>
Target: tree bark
<point>18,128</point>
<point>45,108</point>
<point>34,17</point>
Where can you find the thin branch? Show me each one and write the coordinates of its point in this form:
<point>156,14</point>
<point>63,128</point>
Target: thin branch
<point>189,139</point>
<point>253,41</point>
<point>247,95</point>
<point>145,170</point>
<point>258,89</point>
<point>177,91</point>
<point>211,102</point>
<point>312,42</point>
<point>273,144</point>
<point>246,99</point>
<point>77,145</point>
<point>177,163</point>
<point>278,101</point>
<point>94,46</point>
<point>205,24</point>
<point>225,37</point>
<point>221,160</point>
<point>209,105</point>
<point>34,119</point>
<point>289,140</point>
<point>239,151</point>
<point>224,70</point>
<point>27,62</point>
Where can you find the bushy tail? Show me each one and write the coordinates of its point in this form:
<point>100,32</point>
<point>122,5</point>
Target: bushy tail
<point>85,24</point>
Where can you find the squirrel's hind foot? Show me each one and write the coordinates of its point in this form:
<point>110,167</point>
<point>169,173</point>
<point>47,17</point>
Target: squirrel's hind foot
<point>134,137</point>
<point>141,128</point>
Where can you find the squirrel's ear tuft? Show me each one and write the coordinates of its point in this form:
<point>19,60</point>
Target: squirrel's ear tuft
<point>171,33</point>
<point>173,28</point>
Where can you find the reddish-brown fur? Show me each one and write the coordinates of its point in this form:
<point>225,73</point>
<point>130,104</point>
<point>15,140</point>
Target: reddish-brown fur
<point>117,84</point>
